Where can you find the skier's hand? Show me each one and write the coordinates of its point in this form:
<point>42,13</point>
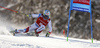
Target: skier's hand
<point>29,15</point>
<point>48,34</point>
<point>17,12</point>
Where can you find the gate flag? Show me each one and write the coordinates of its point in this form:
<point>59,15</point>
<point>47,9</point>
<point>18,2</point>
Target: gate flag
<point>80,5</point>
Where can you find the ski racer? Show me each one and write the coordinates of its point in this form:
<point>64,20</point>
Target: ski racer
<point>42,21</point>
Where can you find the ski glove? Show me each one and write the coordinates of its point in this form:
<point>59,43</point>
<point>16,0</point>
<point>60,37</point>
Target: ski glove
<point>29,15</point>
<point>48,34</point>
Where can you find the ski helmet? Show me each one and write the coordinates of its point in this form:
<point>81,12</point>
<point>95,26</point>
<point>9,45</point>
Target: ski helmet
<point>46,13</point>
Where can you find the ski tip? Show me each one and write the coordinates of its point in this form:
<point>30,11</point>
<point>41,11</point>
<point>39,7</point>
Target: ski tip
<point>12,31</point>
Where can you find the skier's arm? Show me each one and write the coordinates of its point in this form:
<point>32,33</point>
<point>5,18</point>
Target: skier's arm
<point>34,15</point>
<point>50,26</point>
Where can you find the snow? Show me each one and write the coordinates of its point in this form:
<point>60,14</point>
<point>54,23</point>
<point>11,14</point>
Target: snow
<point>24,41</point>
<point>45,42</point>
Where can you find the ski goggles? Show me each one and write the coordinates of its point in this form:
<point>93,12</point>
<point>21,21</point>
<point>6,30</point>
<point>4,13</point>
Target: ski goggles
<point>46,17</point>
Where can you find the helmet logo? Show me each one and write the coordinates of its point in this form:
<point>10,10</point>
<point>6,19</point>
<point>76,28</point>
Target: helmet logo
<point>47,13</point>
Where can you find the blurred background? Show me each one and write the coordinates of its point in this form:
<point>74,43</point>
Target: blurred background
<point>79,21</point>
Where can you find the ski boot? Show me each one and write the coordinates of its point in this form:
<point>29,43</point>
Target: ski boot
<point>14,32</point>
<point>36,34</point>
<point>47,34</point>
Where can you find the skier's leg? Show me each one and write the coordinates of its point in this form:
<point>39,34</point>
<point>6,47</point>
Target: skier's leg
<point>40,29</point>
<point>31,28</point>
<point>19,30</point>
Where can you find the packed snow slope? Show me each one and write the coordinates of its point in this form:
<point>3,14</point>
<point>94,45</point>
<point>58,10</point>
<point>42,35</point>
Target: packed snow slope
<point>24,41</point>
<point>7,41</point>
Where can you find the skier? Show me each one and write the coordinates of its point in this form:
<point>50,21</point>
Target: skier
<point>42,21</point>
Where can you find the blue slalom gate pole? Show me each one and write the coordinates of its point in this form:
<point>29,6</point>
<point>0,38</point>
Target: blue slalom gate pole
<point>91,23</point>
<point>68,24</point>
<point>91,27</point>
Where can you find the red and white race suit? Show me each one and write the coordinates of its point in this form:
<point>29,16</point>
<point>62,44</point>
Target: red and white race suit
<point>39,25</point>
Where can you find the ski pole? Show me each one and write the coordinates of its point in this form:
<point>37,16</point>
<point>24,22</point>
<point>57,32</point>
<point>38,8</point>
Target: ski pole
<point>13,11</point>
<point>22,13</point>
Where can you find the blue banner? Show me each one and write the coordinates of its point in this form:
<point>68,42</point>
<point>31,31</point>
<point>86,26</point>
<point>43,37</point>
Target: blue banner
<point>80,5</point>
